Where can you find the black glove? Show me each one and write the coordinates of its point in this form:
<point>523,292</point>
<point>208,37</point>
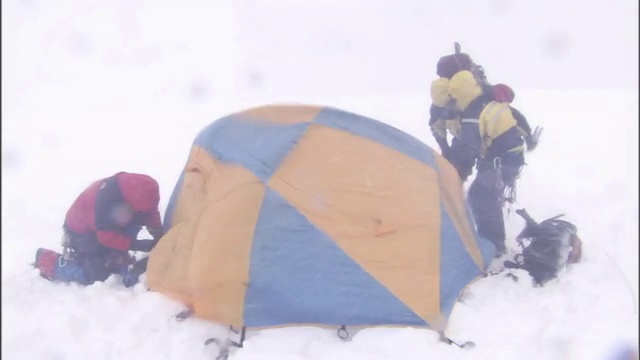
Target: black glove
<point>143,245</point>
<point>132,276</point>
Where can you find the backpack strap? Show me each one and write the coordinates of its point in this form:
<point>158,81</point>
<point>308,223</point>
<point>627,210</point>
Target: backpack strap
<point>517,263</point>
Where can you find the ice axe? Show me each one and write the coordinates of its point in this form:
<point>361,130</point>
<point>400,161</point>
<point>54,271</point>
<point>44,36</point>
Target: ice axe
<point>533,139</point>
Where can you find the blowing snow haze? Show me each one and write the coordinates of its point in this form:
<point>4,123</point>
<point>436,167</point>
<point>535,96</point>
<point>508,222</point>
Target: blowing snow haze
<point>94,87</point>
<point>264,49</point>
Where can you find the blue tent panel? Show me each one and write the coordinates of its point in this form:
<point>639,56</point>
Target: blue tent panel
<point>300,276</point>
<point>171,206</point>
<point>258,146</point>
<point>457,268</point>
<point>376,131</point>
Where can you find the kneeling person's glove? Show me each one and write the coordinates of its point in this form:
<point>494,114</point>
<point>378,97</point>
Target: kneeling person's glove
<point>143,245</point>
<point>131,277</point>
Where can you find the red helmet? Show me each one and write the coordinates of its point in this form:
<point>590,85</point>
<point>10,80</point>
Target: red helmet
<point>503,93</point>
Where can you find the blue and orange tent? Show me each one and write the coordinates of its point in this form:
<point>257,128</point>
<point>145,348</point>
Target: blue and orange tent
<point>287,215</point>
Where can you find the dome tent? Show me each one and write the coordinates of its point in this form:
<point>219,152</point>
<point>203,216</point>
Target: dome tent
<point>290,215</point>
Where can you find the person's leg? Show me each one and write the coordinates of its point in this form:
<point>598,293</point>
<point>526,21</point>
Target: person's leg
<point>95,268</point>
<point>54,267</point>
<point>485,200</point>
<point>511,165</point>
<point>462,158</point>
<point>83,244</point>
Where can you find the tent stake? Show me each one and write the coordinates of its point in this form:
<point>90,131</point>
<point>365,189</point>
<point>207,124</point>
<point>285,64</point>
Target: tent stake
<point>446,339</point>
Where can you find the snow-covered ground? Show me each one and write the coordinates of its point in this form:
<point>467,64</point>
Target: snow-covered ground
<point>94,87</point>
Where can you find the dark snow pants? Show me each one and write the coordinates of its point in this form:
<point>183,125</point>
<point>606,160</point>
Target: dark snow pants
<point>486,197</point>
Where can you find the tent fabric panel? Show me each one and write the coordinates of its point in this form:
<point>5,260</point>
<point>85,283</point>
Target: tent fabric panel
<point>457,268</point>
<point>300,276</point>
<point>380,206</point>
<point>453,198</point>
<point>377,131</point>
<point>258,146</point>
<point>281,114</point>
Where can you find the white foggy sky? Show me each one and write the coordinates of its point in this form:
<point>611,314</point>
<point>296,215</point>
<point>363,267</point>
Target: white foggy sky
<point>267,49</point>
<point>534,45</point>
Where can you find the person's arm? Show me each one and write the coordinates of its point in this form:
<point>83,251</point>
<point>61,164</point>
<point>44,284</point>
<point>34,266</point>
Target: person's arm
<point>531,138</point>
<point>521,121</point>
<point>438,127</point>
<point>109,207</point>
<point>154,224</point>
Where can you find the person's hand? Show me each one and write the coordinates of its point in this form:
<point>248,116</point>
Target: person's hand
<point>131,277</point>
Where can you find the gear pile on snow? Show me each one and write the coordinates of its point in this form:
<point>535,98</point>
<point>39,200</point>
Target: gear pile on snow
<point>547,247</point>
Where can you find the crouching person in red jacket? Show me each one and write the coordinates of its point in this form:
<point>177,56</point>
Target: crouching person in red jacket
<point>100,229</point>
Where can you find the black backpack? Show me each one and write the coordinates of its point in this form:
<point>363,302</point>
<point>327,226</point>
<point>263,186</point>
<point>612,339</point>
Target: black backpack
<point>450,65</point>
<point>552,244</point>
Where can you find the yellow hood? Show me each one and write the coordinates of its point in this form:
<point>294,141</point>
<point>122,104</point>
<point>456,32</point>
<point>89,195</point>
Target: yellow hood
<point>464,88</point>
<point>440,92</point>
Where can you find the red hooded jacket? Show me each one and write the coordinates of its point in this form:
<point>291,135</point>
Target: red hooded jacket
<point>96,209</point>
